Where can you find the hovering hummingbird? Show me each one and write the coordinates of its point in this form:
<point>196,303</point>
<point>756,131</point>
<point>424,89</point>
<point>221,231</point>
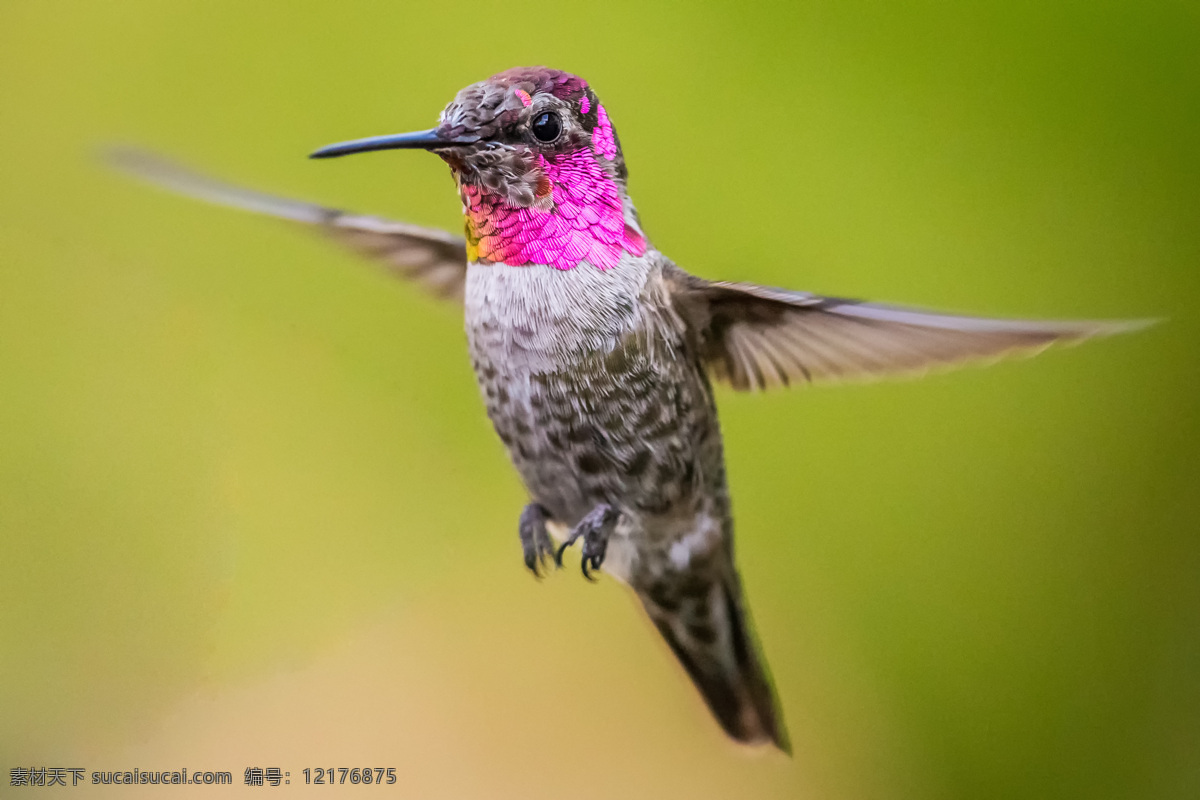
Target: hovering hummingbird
<point>595,355</point>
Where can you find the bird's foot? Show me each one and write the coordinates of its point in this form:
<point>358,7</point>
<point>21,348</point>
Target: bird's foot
<point>594,529</point>
<point>535,541</point>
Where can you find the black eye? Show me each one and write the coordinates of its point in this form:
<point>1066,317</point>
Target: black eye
<point>547,126</point>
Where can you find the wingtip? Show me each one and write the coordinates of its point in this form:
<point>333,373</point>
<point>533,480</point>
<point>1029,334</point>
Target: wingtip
<point>123,157</point>
<point>1100,329</point>
<point>141,164</point>
<point>1134,325</point>
<point>164,173</point>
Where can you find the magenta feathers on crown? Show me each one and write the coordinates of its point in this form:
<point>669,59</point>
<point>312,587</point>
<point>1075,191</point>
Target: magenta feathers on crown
<point>562,85</point>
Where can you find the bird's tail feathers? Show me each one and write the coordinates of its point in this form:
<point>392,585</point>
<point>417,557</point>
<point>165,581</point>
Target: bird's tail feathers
<point>711,635</point>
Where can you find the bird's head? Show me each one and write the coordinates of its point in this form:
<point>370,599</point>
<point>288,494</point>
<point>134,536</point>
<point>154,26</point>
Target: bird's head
<point>539,169</point>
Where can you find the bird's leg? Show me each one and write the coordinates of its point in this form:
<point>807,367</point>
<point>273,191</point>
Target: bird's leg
<point>535,541</point>
<point>594,529</point>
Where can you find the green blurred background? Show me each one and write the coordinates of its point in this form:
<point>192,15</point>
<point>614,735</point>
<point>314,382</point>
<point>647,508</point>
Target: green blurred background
<point>252,512</point>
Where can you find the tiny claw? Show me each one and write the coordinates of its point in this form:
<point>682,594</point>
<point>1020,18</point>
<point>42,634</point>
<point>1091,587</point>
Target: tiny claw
<point>594,529</point>
<point>534,540</point>
<point>533,560</point>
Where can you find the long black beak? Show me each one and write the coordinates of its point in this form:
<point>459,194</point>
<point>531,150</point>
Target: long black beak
<point>417,140</point>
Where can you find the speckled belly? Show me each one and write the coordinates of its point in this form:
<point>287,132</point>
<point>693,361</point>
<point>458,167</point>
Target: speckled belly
<point>612,427</point>
<point>599,410</point>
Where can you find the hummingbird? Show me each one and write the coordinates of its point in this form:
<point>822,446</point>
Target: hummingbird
<point>596,355</point>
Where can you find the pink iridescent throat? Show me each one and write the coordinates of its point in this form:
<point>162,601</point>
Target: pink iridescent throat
<point>585,222</point>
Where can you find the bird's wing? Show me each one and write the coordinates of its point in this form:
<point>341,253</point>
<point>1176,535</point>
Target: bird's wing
<point>432,257</point>
<point>756,337</point>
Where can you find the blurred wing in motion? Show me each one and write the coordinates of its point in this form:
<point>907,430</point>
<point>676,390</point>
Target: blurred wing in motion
<point>432,257</point>
<point>756,337</point>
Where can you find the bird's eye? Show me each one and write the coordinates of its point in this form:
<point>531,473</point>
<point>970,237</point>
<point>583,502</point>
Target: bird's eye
<point>547,126</point>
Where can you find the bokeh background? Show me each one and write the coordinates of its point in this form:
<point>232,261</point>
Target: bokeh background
<point>252,513</point>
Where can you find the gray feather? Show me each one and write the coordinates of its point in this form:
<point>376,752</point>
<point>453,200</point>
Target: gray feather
<point>429,256</point>
<point>756,337</point>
